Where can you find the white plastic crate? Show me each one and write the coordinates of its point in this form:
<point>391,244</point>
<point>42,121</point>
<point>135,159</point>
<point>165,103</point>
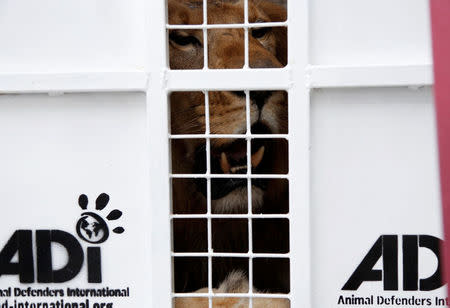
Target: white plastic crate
<point>86,111</point>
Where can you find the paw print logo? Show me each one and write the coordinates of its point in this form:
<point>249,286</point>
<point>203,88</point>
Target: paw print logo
<point>93,228</point>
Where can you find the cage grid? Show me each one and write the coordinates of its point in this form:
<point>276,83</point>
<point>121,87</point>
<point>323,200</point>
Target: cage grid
<point>208,175</point>
<point>250,255</point>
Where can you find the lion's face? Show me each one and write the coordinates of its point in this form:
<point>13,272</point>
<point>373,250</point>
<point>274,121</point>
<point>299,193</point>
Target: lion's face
<point>267,46</point>
<point>268,109</point>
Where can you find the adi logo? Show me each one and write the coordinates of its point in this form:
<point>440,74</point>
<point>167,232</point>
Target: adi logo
<point>35,261</point>
<point>386,248</point>
<point>91,227</point>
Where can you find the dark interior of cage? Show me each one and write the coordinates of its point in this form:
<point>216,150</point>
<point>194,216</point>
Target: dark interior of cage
<point>265,233</point>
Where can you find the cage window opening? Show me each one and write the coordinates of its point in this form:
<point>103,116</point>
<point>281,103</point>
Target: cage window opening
<point>188,116</point>
<point>191,235</point>
<point>258,45</point>
<point>229,156</point>
<point>227,114</point>
<point>188,156</point>
<point>254,139</point>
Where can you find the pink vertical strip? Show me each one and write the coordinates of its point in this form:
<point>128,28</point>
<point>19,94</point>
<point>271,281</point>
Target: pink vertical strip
<point>440,20</point>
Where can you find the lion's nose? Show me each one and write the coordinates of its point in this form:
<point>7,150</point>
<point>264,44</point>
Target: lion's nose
<point>260,97</point>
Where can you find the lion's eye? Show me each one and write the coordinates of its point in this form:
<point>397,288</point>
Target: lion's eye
<point>260,32</point>
<point>184,40</point>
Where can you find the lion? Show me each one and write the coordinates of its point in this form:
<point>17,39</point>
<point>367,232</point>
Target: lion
<point>268,115</point>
